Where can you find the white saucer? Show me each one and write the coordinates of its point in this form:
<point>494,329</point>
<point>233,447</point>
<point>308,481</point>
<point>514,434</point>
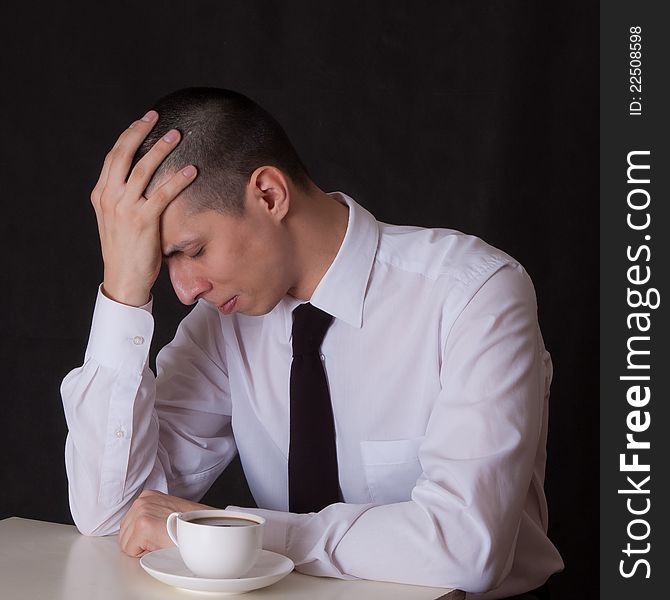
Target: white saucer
<point>167,566</point>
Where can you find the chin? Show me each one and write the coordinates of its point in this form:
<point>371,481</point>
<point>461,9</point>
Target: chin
<point>261,309</point>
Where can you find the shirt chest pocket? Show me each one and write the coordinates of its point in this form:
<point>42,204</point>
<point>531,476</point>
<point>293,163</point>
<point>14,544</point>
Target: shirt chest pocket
<point>391,468</point>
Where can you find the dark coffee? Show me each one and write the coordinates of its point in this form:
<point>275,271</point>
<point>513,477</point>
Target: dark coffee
<point>223,521</point>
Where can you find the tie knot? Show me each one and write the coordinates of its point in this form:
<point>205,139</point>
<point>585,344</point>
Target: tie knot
<point>309,328</point>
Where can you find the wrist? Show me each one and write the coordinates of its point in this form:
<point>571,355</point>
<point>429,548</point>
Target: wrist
<point>128,296</point>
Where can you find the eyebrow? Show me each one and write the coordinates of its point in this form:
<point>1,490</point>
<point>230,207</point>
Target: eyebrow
<point>177,248</point>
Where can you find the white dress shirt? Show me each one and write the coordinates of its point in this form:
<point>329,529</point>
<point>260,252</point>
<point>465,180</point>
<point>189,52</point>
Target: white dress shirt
<point>439,382</point>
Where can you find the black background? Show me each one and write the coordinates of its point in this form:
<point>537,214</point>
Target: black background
<point>478,116</point>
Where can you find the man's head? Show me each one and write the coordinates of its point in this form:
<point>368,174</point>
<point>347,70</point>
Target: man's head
<point>226,136</point>
<point>252,225</point>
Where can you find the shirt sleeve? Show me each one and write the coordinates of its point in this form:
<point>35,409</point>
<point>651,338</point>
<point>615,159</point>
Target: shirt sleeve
<point>129,430</point>
<point>459,529</point>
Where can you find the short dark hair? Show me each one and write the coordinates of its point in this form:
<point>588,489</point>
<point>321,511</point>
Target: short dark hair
<point>226,136</point>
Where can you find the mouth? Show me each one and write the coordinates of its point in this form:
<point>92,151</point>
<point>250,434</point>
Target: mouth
<point>229,306</point>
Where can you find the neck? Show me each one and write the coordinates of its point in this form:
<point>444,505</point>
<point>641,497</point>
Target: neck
<point>319,224</point>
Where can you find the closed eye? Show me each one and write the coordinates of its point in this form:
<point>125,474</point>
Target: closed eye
<point>200,252</point>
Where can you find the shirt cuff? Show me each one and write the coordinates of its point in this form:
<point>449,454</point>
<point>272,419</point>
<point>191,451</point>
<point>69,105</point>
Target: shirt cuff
<point>275,528</point>
<point>120,334</point>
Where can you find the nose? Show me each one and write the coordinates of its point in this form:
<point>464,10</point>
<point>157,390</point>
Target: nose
<point>187,284</point>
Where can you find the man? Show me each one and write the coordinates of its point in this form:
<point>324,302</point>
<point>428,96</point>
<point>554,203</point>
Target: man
<point>386,387</point>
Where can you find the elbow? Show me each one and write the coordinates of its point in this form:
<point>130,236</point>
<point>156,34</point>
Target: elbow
<point>477,581</point>
<point>93,519</point>
<point>87,529</point>
<point>92,527</point>
<point>474,572</point>
<point>476,561</point>
<point>484,573</point>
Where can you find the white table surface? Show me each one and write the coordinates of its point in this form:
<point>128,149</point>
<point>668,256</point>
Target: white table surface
<point>50,561</point>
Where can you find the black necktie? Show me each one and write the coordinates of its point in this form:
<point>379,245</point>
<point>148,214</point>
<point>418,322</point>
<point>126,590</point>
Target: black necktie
<point>312,459</point>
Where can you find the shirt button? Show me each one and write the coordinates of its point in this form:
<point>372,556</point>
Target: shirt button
<point>138,340</point>
<point>322,357</point>
<point>120,434</point>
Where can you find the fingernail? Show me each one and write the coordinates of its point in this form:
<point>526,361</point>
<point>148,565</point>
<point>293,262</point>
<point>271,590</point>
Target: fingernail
<point>170,136</point>
<point>150,116</point>
<point>188,171</point>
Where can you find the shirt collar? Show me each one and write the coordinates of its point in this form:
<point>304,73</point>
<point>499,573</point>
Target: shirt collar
<point>341,291</point>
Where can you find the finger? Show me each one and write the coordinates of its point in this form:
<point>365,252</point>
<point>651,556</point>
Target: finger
<point>150,546</point>
<point>148,534</point>
<point>124,534</point>
<point>125,521</point>
<point>128,529</point>
<point>144,125</point>
<point>126,147</point>
<point>144,170</point>
<point>128,520</point>
<point>131,538</point>
<point>100,184</point>
<point>133,546</point>
<point>167,192</point>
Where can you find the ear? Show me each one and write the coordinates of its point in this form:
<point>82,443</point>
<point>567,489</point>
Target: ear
<point>269,186</point>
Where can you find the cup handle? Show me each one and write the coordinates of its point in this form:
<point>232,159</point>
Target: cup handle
<point>171,525</point>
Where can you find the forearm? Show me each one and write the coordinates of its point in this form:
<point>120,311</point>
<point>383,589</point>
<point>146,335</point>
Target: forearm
<point>112,442</point>
<point>130,431</point>
<point>434,542</point>
<point>109,453</point>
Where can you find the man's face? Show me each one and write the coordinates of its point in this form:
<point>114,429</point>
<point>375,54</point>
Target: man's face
<point>219,257</point>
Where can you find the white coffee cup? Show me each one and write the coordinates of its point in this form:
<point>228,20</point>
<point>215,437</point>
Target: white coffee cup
<point>217,551</point>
